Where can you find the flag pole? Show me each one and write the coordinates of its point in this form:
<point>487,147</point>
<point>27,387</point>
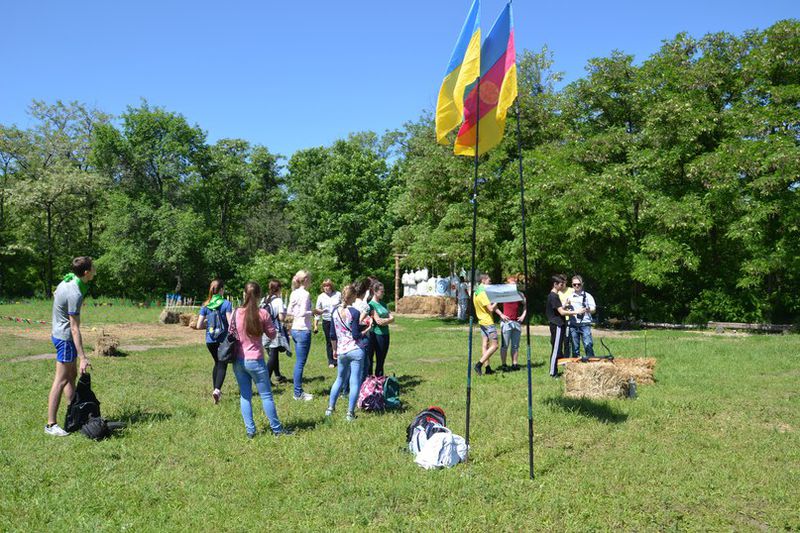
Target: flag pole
<point>525,290</point>
<point>472,272</point>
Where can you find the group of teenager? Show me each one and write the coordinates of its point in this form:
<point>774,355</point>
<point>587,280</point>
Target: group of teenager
<point>355,324</point>
<point>571,307</point>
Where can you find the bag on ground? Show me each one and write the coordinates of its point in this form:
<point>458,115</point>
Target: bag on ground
<point>96,428</point>
<point>84,405</point>
<point>370,397</point>
<point>432,414</point>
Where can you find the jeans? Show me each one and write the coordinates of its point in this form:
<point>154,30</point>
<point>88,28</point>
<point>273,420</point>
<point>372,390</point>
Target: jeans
<point>220,368</point>
<point>255,370</point>
<point>326,329</point>
<point>585,331</point>
<point>302,344</point>
<point>349,364</point>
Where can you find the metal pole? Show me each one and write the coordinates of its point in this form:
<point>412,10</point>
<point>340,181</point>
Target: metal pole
<point>472,274</point>
<point>525,289</point>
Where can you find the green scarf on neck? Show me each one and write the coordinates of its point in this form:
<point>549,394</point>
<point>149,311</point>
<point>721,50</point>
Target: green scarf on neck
<point>215,301</point>
<point>83,287</point>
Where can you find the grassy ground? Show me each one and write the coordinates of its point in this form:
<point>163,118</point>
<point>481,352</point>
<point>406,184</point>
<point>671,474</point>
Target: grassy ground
<point>712,445</point>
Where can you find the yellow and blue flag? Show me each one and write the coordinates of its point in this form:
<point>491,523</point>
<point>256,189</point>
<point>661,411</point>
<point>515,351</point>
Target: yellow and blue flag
<point>498,89</point>
<point>463,69</point>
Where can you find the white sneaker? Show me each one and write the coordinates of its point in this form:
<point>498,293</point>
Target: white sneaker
<point>306,397</point>
<point>55,430</point>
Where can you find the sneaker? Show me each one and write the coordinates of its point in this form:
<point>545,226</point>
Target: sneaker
<point>488,370</point>
<point>329,411</point>
<point>284,432</point>
<point>584,359</point>
<point>55,430</point>
<point>514,368</point>
<point>306,397</point>
<point>505,368</point>
<point>350,416</point>
<point>478,370</point>
<point>216,395</point>
<point>331,365</point>
<point>282,379</point>
<point>251,436</point>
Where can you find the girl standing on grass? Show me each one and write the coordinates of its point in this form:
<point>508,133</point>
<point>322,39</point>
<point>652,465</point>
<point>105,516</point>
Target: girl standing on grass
<point>274,306</point>
<point>300,308</point>
<point>379,336</point>
<point>249,324</point>
<point>326,301</point>
<point>361,304</point>
<point>345,334</point>
<point>216,313</point>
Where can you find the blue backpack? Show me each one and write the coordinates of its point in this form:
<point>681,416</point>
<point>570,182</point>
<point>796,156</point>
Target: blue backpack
<point>217,326</point>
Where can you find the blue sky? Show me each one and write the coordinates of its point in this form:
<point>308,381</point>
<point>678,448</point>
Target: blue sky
<point>292,75</point>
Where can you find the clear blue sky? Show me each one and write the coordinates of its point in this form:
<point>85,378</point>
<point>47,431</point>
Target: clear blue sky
<point>292,75</point>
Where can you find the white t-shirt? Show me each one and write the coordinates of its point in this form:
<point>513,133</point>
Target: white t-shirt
<point>576,299</point>
<point>325,303</point>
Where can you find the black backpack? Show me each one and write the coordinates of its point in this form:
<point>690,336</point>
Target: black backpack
<point>96,428</point>
<point>84,405</point>
<point>431,414</point>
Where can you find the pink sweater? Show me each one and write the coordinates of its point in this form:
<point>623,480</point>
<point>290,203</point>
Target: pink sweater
<point>300,308</point>
<point>251,347</point>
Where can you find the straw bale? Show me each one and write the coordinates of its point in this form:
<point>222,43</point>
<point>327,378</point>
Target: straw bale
<point>106,345</point>
<point>427,305</point>
<point>185,318</point>
<point>594,380</point>
<point>169,317</point>
<point>639,368</point>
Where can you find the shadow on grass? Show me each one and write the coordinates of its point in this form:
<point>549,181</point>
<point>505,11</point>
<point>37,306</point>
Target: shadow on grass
<point>131,418</point>
<point>588,408</point>
<point>307,424</point>
<point>407,383</point>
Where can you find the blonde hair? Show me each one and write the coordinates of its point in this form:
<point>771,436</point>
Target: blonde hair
<point>299,278</point>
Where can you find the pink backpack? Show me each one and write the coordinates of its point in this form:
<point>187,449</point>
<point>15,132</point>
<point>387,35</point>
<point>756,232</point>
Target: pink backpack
<point>370,397</point>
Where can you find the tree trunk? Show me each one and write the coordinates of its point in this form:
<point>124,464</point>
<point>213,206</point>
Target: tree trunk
<point>49,270</point>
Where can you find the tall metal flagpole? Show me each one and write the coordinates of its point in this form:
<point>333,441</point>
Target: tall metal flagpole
<point>472,272</point>
<point>525,290</point>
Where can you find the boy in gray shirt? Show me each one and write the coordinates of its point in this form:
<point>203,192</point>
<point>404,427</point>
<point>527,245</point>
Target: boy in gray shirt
<point>66,336</point>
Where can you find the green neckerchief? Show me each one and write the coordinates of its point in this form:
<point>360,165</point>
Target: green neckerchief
<point>215,302</point>
<point>480,289</point>
<point>81,285</point>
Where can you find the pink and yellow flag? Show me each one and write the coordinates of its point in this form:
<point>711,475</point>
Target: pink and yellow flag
<point>462,70</point>
<point>498,89</point>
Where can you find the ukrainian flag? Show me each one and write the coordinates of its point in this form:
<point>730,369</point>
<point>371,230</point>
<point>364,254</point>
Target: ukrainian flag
<point>463,69</point>
<point>498,89</point>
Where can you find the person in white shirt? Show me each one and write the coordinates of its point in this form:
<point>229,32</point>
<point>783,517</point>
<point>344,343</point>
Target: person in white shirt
<point>300,308</point>
<point>326,301</point>
<point>580,323</point>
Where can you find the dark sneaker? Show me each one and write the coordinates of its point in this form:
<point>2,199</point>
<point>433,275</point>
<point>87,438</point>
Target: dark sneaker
<point>584,359</point>
<point>478,369</point>
<point>488,370</point>
<point>504,368</point>
<point>514,368</point>
<point>282,379</point>
<point>284,432</point>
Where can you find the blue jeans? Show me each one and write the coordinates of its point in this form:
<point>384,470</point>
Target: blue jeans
<point>302,345</point>
<point>255,370</point>
<point>585,331</point>
<point>349,364</point>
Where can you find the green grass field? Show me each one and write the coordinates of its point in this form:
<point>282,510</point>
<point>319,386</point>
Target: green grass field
<point>713,445</point>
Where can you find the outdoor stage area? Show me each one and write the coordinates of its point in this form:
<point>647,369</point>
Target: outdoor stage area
<point>712,444</point>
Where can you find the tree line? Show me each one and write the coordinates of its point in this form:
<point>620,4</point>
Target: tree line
<point>671,185</point>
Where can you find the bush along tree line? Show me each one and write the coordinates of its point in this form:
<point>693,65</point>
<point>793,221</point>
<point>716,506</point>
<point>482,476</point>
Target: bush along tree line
<point>671,185</point>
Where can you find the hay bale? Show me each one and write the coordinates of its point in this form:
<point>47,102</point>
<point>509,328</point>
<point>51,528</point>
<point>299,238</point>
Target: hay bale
<point>427,305</point>
<point>169,317</point>
<point>639,368</point>
<point>595,381</point>
<point>193,322</point>
<point>106,345</point>
<point>185,318</point>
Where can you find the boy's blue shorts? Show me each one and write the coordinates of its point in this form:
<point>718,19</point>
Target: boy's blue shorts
<point>65,350</point>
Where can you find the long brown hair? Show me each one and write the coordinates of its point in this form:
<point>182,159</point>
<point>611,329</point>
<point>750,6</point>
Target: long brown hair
<point>216,286</point>
<point>274,287</point>
<point>252,317</point>
<point>348,295</point>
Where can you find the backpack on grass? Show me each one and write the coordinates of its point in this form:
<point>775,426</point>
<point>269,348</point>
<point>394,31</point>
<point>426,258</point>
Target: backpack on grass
<point>378,393</point>
<point>432,416</point>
